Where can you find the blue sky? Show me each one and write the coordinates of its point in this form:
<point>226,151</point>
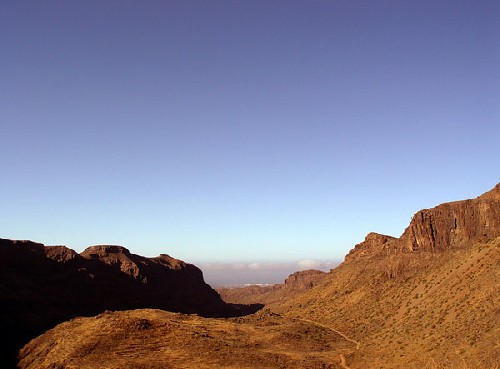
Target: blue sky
<point>242,131</point>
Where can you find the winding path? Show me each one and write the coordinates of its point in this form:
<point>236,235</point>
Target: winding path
<point>358,345</point>
<point>343,362</point>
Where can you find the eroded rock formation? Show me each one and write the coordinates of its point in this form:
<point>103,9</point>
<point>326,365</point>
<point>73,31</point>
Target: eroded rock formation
<point>454,223</point>
<point>446,226</point>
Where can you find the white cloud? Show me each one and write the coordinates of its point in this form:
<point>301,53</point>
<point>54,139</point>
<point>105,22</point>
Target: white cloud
<point>255,266</point>
<point>309,264</point>
<point>245,266</point>
<point>299,265</point>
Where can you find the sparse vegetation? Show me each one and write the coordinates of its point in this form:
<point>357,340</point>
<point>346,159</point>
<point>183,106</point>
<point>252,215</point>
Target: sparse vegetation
<point>435,307</point>
<point>449,309</point>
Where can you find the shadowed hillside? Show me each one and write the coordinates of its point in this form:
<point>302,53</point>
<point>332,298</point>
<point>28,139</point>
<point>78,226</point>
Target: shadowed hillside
<point>43,286</point>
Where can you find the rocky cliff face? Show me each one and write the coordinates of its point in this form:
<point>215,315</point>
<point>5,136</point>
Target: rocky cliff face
<point>443,227</point>
<point>43,286</point>
<point>431,293</point>
<point>453,224</point>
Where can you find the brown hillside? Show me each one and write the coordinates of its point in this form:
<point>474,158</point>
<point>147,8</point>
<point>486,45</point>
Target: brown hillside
<point>428,300</point>
<point>154,339</point>
<point>431,296</point>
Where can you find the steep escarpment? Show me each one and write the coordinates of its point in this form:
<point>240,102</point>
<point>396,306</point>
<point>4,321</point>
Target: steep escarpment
<point>411,310</point>
<point>454,224</point>
<point>446,226</point>
<point>429,297</point>
<point>43,286</point>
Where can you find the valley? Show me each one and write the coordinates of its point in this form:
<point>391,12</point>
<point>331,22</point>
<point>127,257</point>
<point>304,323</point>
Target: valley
<point>428,299</point>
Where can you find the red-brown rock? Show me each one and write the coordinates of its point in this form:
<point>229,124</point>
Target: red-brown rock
<point>446,226</point>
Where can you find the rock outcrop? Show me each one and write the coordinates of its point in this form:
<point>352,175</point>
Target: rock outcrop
<point>454,224</point>
<point>373,243</point>
<point>304,279</point>
<point>43,286</point>
<point>426,299</point>
<point>446,226</point>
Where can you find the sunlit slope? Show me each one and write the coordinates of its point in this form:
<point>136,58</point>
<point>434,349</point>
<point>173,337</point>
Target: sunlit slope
<point>439,306</point>
<point>154,339</point>
<point>430,296</point>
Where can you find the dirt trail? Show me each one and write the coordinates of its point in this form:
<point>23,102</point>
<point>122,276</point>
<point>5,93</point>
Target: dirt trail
<point>358,345</point>
<point>343,362</point>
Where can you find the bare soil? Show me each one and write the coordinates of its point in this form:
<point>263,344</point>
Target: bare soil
<point>153,339</point>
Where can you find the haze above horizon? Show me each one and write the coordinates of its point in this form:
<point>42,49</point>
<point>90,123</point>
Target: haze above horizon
<point>226,131</point>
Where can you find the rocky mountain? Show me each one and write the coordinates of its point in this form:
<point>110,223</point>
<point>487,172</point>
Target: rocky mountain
<point>426,299</point>
<point>444,227</point>
<point>42,286</point>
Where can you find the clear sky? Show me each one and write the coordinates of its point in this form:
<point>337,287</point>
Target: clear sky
<point>242,131</point>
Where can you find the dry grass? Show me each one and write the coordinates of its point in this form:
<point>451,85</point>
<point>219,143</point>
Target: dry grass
<point>459,363</point>
<point>152,339</point>
<point>430,305</point>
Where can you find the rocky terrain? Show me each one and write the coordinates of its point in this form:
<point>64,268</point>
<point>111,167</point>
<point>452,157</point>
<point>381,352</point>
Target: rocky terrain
<point>428,299</point>
<point>42,286</point>
<point>447,226</point>
<point>429,296</point>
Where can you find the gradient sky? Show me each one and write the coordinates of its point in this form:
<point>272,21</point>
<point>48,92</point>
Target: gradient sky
<point>242,131</point>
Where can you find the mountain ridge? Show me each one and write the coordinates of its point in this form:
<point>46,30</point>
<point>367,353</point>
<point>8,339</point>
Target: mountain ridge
<point>428,300</point>
<point>42,286</point>
<point>430,295</point>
